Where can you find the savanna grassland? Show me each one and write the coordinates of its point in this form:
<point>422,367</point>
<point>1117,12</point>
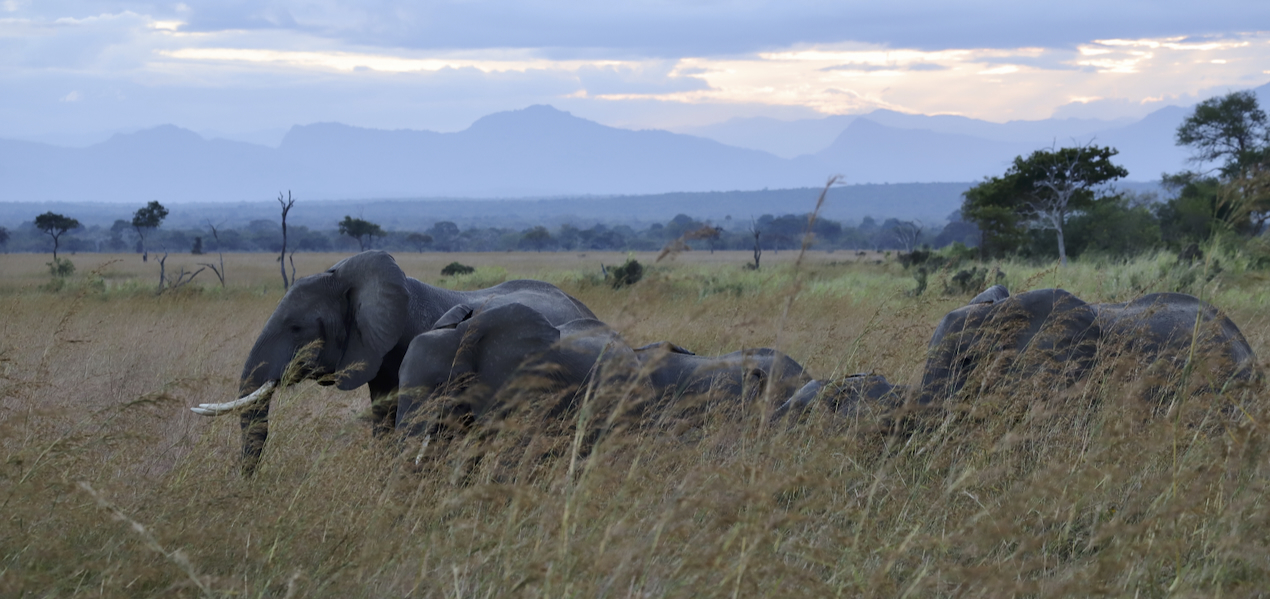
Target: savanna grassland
<point>110,486</point>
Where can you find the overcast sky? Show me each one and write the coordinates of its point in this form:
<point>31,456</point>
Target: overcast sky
<point>78,70</point>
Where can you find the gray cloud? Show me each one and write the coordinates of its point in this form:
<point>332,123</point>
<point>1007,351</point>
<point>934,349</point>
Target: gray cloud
<point>669,29</point>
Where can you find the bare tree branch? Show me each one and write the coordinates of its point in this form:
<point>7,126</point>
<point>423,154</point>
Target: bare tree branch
<point>282,258</point>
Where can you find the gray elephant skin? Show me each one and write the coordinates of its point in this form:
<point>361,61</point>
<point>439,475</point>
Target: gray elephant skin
<point>351,326</point>
<point>744,375</point>
<point>475,366</point>
<point>480,364</point>
<point>1050,337</point>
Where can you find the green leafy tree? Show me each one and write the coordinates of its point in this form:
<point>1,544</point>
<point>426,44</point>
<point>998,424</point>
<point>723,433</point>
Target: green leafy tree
<point>1231,129</point>
<point>1043,190</point>
<point>363,231</point>
<point>4,237</point>
<point>55,225</point>
<point>995,206</point>
<point>537,237</point>
<point>145,220</point>
<point>1123,225</point>
<point>420,240</point>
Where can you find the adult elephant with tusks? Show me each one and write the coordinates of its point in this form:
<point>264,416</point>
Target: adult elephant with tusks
<point>350,326</point>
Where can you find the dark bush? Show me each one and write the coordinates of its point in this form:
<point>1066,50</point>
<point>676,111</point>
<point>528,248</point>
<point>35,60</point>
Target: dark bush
<point>60,268</point>
<point>454,268</point>
<point>973,281</point>
<point>627,274</point>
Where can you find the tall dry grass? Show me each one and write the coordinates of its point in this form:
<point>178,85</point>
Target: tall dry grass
<point>109,486</point>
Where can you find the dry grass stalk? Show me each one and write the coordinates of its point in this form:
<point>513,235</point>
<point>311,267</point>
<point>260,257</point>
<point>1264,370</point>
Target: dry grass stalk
<point>1026,486</point>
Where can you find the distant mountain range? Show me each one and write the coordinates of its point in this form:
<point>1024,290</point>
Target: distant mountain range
<point>543,152</point>
<point>888,146</point>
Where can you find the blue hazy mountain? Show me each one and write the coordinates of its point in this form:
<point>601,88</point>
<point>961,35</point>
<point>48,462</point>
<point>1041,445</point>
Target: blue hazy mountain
<point>543,152</point>
<point>893,146</point>
<point>790,139</point>
<point>538,151</point>
<point>787,139</point>
<point>869,151</point>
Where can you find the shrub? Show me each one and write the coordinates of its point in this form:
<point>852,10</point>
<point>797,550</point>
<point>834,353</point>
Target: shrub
<point>61,268</point>
<point>973,281</point>
<point>454,268</point>
<point>627,274</point>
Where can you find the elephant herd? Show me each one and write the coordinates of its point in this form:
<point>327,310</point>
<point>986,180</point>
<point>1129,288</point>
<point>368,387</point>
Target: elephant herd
<point>430,355</point>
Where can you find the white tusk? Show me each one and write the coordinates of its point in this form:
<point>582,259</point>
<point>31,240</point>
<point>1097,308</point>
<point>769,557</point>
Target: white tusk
<point>216,409</point>
<point>419,458</point>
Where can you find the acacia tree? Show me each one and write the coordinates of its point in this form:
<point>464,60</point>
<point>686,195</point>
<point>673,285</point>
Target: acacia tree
<point>148,219</point>
<point>1234,130</point>
<point>1230,128</point>
<point>537,237</point>
<point>1064,180</point>
<point>55,225</point>
<point>419,240</point>
<point>361,230</point>
<point>1041,192</point>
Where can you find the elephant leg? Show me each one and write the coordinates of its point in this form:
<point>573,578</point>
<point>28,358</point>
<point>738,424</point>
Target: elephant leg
<point>383,413</point>
<point>255,431</point>
<point>410,420</point>
<point>383,405</point>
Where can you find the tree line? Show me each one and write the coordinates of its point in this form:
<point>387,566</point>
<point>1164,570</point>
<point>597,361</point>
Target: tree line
<point>144,233</point>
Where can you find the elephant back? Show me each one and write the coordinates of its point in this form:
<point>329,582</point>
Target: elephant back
<point>1034,336</point>
<point>1159,331</point>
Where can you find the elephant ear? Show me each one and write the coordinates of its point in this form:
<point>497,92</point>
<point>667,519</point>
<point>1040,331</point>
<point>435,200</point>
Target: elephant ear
<point>453,316</point>
<point>378,305</point>
<point>506,338</point>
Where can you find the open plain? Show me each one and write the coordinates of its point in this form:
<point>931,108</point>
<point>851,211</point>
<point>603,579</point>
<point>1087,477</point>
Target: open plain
<point>110,486</point>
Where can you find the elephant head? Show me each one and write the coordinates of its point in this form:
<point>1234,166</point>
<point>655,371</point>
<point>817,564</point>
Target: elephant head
<point>336,327</point>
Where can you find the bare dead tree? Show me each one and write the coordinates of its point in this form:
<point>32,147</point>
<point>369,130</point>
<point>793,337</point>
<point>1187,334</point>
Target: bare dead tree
<point>162,266</point>
<point>758,249</point>
<point>282,258</point>
<point>220,272</point>
<point>182,278</point>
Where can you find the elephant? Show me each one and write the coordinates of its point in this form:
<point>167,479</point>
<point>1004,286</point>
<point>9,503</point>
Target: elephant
<point>1156,332</point>
<point>676,372</point>
<point>846,396</point>
<point>1050,337</point>
<point>351,326</point>
<point>1039,334</point>
<point>470,364</point>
